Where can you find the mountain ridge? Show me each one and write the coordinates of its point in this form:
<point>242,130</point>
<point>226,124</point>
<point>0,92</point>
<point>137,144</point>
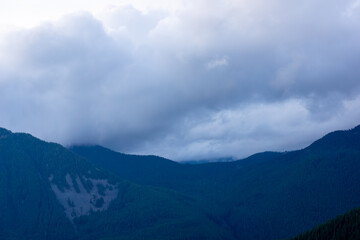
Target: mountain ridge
<point>279,184</point>
<point>56,194</point>
<point>59,193</point>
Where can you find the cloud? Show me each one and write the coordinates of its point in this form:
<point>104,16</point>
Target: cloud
<point>244,130</point>
<point>205,80</point>
<point>218,62</point>
<point>352,8</point>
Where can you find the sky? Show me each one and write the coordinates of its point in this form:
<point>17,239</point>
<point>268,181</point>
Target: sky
<point>182,79</point>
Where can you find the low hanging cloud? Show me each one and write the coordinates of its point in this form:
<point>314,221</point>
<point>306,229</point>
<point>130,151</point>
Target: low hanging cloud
<point>206,80</point>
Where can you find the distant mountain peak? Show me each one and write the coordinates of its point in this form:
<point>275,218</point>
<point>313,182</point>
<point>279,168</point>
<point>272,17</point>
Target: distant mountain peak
<point>4,132</point>
<point>338,139</point>
<point>356,129</point>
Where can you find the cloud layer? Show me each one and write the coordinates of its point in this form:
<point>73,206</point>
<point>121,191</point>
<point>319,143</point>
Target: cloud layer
<point>205,80</point>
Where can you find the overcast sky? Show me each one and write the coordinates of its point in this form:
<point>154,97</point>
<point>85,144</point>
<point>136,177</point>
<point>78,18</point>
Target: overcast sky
<point>183,79</point>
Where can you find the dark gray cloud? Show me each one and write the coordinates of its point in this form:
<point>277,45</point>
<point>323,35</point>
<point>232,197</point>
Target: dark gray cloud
<point>208,80</point>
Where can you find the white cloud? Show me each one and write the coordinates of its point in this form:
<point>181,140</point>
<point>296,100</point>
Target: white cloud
<point>241,131</point>
<point>218,62</point>
<point>198,80</point>
<point>352,8</point>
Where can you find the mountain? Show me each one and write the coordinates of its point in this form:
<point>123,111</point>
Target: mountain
<point>49,192</point>
<point>90,192</point>
<point>266,196</point>
<point>141,169</point>
<point>346,226</point>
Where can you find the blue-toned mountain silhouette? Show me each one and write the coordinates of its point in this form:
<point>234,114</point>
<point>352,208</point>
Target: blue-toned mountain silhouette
<point>90,192</point>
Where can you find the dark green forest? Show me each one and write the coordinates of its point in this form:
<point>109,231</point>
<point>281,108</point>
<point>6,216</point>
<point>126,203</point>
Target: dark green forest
<point>46,189</point>
<point>346,226</point>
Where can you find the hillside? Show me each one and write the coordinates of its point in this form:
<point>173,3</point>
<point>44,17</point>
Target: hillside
<point>48,192</point>
<point>346,226</point>
<point>266,196</point>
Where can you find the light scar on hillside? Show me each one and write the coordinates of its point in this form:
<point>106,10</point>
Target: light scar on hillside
<point>84,201</point>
